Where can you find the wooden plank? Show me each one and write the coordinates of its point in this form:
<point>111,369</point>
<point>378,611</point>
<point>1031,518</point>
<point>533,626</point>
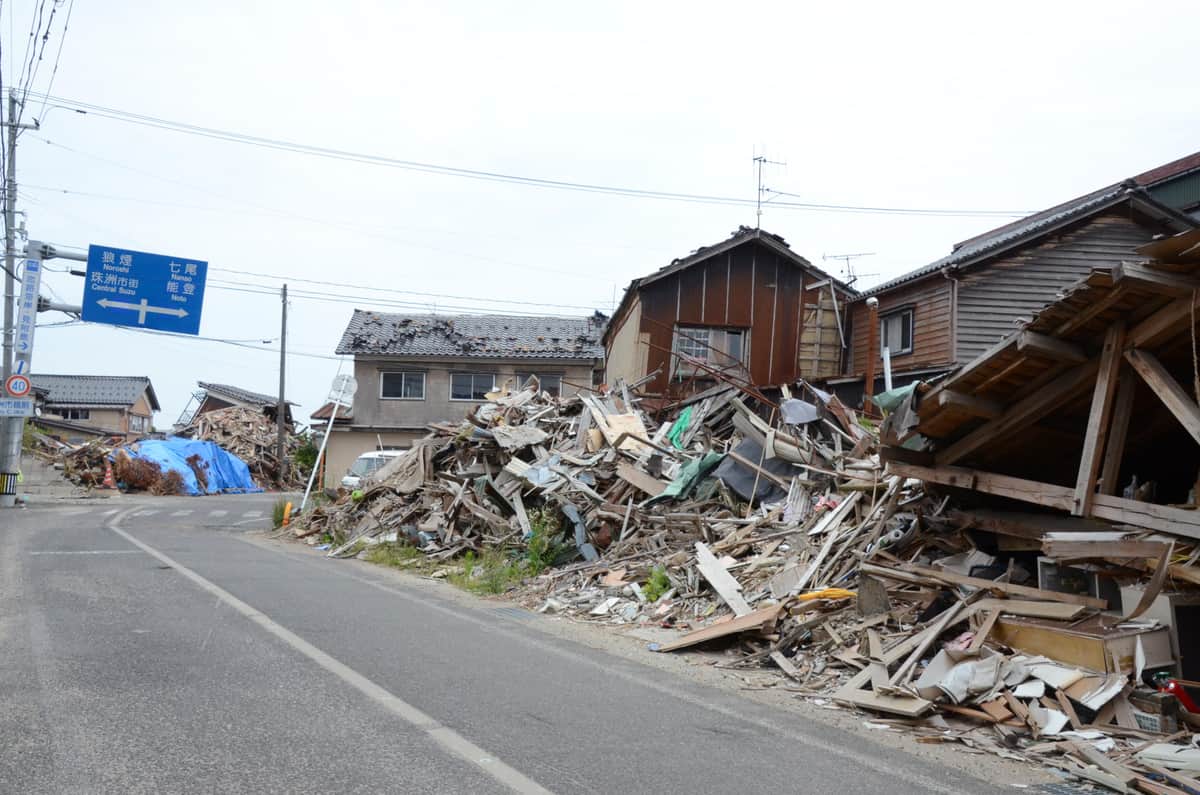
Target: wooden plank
<point>759,620</point>
<point>1022,413</point>
<point>729,589</point>
<point>1162,324</point>
<point>911,572</point>
<point>1064,549</point>
<point>1031,609</point>
<point>1163,282</point>
<point>1118,432</point>
<point>1045,494</point>
<point>1020,524</point>
<point>1098,419</point>
<point>984,630</point>
<point>1163,518</point>
<point>976,406</point>
<point>1051,347</point>
<point>639,479</point>
<point>877,668</point>
<point>1176,399</point>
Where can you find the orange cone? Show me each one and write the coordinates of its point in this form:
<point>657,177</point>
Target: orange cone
<point>109,483</point>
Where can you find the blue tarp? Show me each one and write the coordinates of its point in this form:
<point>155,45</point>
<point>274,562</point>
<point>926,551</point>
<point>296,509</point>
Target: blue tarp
<point>223,471</point>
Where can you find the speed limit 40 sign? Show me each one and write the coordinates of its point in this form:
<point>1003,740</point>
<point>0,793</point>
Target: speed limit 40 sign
<point>17,385</point>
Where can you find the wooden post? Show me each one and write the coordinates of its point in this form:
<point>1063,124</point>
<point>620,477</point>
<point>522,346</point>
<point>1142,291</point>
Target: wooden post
<point>872,352</point>
<point>1115,449</point>
<point>1098,419</point>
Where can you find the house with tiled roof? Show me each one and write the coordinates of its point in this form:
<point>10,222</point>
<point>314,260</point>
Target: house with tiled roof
<point>413,370</point>
<point>933,319</point>
<point>78,407</point>
<point>211,397</point>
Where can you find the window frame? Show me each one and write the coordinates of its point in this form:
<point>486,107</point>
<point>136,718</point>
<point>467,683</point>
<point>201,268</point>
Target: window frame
<point>912,328</point>
<point>713,352</point>
<point>404,374</point>
<point>522,377</point>
<point>74,414</point>
<point>474,375</point>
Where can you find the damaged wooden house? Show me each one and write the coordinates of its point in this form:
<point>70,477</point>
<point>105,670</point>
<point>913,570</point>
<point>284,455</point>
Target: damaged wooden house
<point>748,308</point>
<point>1085,419</point>
<point>943,315</point>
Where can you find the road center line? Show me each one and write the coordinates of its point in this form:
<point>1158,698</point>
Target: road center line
<point>85,552</point>
<point>447,738</point>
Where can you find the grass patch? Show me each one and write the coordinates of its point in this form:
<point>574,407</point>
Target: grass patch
<point>277,511</point>
<point>394,554</point>
<point>657,584</point>
<point>493,572</point>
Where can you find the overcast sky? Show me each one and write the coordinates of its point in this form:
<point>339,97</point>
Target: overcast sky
<point>926,106</point>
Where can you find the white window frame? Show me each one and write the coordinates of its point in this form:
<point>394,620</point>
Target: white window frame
<point>79,414</point>
<point>404,376</point>
<point>687,341</point>
<point>906,316</point>
<point>474,375</point>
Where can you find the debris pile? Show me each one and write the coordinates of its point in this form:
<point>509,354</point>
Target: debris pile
<point>252,437</point>
<point>772,532</point>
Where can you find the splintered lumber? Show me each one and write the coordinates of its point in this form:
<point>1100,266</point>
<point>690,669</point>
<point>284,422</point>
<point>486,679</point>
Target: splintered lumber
<point>639,479</point>
<point>762,621</point>
<point>721,580</point>
<point>923,574</point>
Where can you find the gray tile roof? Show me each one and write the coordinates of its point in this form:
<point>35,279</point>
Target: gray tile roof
<point>1031,226</point>
<point>240,395</point>
<point>473,336</point>
<point>95,390</point>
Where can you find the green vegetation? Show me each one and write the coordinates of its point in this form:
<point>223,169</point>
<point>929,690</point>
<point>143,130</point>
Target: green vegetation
<point>394,554</point>
<point>545,544</point>
<point>657,584</point>
<point>277,512</point>
<point>306,455</point>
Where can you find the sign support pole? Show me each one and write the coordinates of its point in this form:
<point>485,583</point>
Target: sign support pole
<point>23,333</point>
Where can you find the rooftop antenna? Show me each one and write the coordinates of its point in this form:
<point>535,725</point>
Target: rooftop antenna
<point>848,274</point>
<point>759,162</point>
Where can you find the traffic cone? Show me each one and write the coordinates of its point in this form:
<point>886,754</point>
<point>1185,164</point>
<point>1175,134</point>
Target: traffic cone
<point>109,483</point>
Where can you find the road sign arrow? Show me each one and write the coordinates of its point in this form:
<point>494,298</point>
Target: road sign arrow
<point>142,309</point>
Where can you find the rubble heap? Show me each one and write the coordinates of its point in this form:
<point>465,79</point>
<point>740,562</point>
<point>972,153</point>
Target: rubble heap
<point>252,437</point>
<point>773,533</point>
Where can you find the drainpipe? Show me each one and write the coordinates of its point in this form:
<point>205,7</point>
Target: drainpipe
<point>872,352</point>
<point>950,273</point>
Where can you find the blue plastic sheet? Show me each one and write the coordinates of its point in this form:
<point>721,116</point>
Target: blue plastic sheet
<point>224,472</point>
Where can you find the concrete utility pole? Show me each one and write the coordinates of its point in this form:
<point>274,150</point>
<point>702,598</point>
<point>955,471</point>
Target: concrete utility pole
<point>10,222</point>
<point>281,408</point>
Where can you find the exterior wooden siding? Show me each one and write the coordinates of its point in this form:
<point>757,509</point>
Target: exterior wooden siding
<point>992,298</point>
<point>931,302</point>
<point>749,287</point>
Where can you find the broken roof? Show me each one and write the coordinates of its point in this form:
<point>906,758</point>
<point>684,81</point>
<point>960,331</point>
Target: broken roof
<point>239,395</point>
<point>473,336</point>
<point>95,390</point>
<point>1019,232</point>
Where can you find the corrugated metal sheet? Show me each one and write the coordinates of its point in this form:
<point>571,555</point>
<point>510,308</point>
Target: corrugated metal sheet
<point>992,300</point>
<point>1182,193</point>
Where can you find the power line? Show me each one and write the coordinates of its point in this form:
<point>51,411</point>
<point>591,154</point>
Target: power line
<point>58,56</point>
<point>235,343</point>
<point>477,174</point>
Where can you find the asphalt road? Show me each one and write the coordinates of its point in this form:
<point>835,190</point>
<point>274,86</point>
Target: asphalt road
<point>146,646</point>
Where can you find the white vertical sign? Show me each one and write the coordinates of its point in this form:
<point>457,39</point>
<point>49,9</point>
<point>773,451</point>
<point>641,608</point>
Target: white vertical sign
<point>31,281</point>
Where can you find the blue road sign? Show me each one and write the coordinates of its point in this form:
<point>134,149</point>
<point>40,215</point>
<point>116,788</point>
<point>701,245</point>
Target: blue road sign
<point>133,288</point>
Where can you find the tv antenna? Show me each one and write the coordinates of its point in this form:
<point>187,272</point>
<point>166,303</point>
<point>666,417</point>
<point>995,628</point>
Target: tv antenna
<point>849,276</point>
<point>759,162</point>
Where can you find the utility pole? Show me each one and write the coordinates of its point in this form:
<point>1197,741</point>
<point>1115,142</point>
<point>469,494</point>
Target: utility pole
<point>281,407</point>
<point>10,222</point>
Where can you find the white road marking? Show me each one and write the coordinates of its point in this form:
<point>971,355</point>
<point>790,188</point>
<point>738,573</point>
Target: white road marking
<point>145,513</point>
<point>583,660</point>
<point>182,513</point>
<point>110,512</point>
<point>252,514</point>
<point>217,513</point>
<point>449,739</point>
<point>84,552</point>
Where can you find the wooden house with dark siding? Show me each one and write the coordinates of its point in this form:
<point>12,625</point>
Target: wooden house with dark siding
<point>748,306</point>
<point>947,313</point>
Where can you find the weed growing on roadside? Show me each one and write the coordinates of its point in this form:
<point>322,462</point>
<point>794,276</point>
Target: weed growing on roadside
<point>657,584</point>
<point>394,554</point>
<point>544,545</point>
<point>277,511</point>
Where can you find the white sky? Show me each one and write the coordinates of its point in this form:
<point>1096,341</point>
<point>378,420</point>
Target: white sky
<point>876,104</point>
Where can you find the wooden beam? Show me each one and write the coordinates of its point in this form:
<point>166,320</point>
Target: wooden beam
<point>1045,494</point>
<point>1176,399</point>
<point>1022,413</point>
<point>976,406</point>
<point>1176,284</point>
<point>1117,434</point>
<point>1098,419</point>
<point>912,573</point>
<point>1087,315</point>
<point>1166,321</point>
<point>1050,347</point>
<point>1163,518</point>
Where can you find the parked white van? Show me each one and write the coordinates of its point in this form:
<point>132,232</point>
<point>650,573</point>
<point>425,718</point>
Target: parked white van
<point>366,465</point>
